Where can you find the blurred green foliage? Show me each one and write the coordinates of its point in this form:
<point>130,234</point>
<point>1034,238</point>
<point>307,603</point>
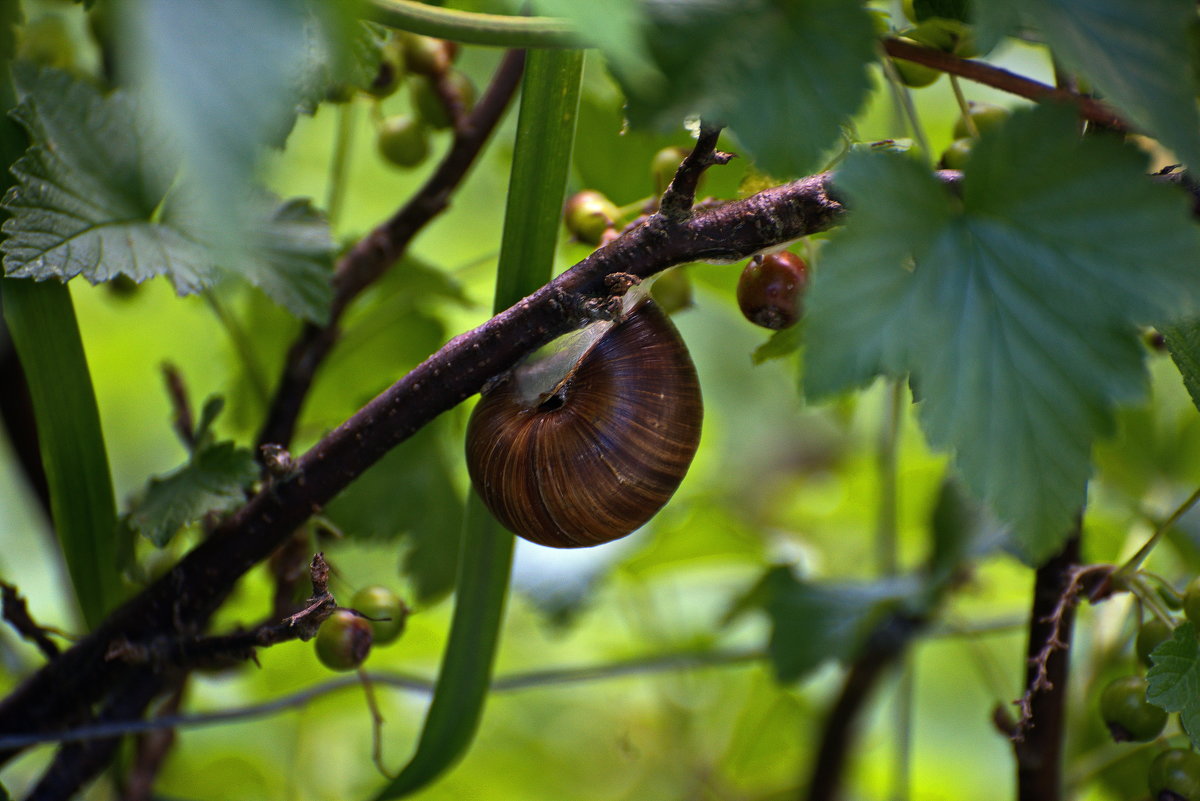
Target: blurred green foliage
<point>784,492</point>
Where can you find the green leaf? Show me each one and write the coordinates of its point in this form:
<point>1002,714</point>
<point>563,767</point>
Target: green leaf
<point>616,27</point>
<point>812,623</point>
<point>1174,679</point>
<point>947,9</point>
<point>785,76</point>
<point>781,344</point>
<point>97,195</point>
<point>41,320</point>
<point>1136,53</point>
<point>223,78</point>
<point>1183,341</point>
<point>409,493</point>
<point>1017,322</point>
<point>541,159</point>
<point>960,529</point>
<point>213,480</point>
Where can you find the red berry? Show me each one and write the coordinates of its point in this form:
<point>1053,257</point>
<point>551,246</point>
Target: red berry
<point>771,290</point>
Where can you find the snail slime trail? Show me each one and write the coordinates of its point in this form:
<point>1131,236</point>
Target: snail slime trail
<point>585,445</point>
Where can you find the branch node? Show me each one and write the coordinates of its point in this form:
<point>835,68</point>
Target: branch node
<point>677,201</point>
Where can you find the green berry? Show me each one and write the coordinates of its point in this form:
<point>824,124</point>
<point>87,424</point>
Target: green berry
<point>1175,776</point>
<point>344,640</point>
<point>947,35</point>
<point>986,116</point>
<point>771,289</point>
<point>672,290</point>
<point>955,156</point>
<point>386,611</point>
<point>664,164</point>
<point>390,73</point>
<point>425,55</point>
<point>429,104</point>
<point>1191,601</point>
<point>913,74</point>
<point>588,214</point>
<point>1126,712</point>
<point>402,140</point>
<point>1151,633</point>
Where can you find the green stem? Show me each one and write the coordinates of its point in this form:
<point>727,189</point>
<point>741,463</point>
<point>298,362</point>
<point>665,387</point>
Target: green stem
<point>336,195</point>
<point>904,98</point>
<point>41,320</point>
<point>470,27</point>
<point>243,346</point>
<point>964,107</point>
<point>1136,560</point>
<point>541,158</point>
<point>906,688</point>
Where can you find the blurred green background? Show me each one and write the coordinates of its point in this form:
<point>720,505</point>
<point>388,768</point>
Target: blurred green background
<point>775,481</point>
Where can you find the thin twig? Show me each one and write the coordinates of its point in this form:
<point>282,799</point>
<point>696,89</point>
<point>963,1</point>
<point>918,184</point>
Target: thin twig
<point>415,684</point>
<point>182,419</point>
<point>681,192</point>
<point>883,648</point>
<point>1006,81</point>
<point>13,607</point>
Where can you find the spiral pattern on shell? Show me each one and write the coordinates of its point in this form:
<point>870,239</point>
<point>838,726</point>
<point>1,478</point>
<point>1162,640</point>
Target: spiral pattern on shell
<point>601,453</point>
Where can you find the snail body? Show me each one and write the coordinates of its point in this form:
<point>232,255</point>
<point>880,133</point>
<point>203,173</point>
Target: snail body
<point>584,448</point>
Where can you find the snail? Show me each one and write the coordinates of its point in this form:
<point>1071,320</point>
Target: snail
<point>585,445</point>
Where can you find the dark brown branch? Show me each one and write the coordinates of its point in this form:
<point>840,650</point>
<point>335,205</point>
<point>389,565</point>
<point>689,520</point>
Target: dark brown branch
<point>677,200</point>
<point>76,764</point>
<point>12,605</point>
<point>1039,750</point>
<point>226,650</point>
<point>998,78</point>
<point>379,250</point>
<point>882,649</point>
<point>179,604</point>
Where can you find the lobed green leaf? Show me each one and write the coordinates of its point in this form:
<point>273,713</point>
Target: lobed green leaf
<point>1183,341</point>
<point>1136,54</point>
<point>99,194</point>
<point>812,623</point>
<point>213,480</point>
<point>1174,678</point>
<point>785,96</point>
<point>1013,309</point>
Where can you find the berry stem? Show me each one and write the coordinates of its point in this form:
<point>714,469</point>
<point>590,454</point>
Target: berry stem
<point>1135,561</point>
<point>336,193</point>
<point>964,107</point>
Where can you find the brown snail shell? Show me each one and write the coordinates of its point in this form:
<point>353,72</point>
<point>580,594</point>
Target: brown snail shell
<point>600,451</point>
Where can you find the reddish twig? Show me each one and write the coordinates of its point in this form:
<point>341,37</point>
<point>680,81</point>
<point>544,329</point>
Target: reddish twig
<point>183,420</point>
<point>998,78</point>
